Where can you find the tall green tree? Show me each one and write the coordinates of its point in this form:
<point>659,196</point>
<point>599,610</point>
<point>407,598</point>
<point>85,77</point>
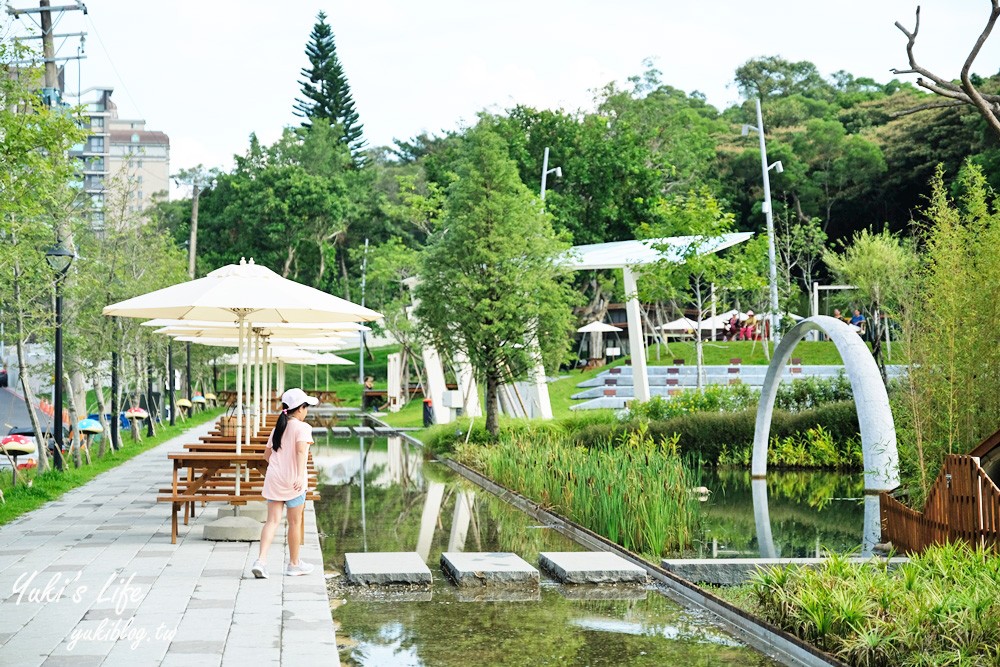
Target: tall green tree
<point>35,197</point>
<point>489,280</point>
<point>326,93</point>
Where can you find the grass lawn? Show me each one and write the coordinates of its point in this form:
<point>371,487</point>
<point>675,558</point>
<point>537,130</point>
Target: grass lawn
<point>53,484</point>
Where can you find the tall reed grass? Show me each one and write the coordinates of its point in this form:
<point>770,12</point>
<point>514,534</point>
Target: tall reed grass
<point>634,491</point>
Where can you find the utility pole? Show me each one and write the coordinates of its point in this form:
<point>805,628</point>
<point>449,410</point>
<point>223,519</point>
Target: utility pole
<point>198,179</point>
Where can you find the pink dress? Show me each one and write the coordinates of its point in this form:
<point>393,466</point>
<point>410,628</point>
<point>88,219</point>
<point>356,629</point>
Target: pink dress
<point>282,467</point>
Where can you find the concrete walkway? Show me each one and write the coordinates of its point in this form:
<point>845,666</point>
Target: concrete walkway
<point>92,579</point>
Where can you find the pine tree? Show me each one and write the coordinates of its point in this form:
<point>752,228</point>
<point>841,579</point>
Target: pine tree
<point>326,93</point>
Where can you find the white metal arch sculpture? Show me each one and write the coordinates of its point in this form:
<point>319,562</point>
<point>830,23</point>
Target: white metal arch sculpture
<point>878,432</point>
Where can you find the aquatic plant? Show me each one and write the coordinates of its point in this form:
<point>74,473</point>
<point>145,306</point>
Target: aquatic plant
<point>634,491</point>
<point>941,608</point>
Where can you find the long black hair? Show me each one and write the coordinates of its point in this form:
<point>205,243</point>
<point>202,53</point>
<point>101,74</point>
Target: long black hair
<point>279,428</point>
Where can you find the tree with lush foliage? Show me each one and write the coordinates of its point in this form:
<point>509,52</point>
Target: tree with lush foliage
<point>326,93</point>
<point>688,273</point>
<point>879,265</point>
<point>35,177</point>
<point>490,281</point>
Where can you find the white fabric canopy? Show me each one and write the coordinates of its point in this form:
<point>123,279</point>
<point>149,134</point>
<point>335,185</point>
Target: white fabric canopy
<point>598,327</point>
<point>682,325</point>
<point>254,292</point>
<point>619,254</point>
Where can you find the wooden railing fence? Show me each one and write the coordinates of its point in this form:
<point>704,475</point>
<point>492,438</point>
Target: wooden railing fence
<point>963,505</point>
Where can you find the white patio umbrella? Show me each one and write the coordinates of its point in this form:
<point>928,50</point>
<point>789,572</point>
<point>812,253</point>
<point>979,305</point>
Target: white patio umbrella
<point>597,329</point>
<point>244,292</point>
<point>680,326</point>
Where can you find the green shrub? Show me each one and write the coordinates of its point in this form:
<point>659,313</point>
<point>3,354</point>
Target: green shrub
<point>709,434</point>
<point>812,392</point>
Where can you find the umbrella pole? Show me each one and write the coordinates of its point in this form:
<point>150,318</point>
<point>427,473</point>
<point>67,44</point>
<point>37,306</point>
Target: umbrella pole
<point>239,399</point>
<point>256,381</point>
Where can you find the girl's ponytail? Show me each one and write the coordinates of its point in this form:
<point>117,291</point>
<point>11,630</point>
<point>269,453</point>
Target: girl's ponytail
<point>279,428</point>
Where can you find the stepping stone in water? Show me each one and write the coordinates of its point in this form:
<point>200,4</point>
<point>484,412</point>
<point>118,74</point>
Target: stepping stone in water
<point>386,568</point>
<point>590,567</point>
<point>488,569</point>
<point>385,430</point>
<point>340,432</point>
<point>363,431</point>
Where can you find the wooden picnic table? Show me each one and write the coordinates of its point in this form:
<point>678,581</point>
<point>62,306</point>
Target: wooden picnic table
<point>210,477</point>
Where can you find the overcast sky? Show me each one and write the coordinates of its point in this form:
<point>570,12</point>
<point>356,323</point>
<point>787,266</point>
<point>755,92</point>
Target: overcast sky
<point>210,72</point>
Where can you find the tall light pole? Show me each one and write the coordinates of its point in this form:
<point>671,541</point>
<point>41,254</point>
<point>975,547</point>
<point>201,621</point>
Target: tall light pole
<point>546,171</point>
<point>59,258</point>
<point>772,266</point>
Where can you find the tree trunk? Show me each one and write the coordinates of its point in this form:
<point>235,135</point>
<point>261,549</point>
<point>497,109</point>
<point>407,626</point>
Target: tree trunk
<point>343,272</point>
<point>74,442</point>
<point>41,442</point>
<point>492,420</point>
<point>288,262</point>
<point>78,391</point>
<point>101,414</point>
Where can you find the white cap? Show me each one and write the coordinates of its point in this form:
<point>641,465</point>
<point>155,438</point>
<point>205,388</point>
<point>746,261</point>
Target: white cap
<point>293,398</point>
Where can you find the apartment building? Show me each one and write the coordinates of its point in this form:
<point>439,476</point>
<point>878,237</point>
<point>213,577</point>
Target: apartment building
<point>120,158</point>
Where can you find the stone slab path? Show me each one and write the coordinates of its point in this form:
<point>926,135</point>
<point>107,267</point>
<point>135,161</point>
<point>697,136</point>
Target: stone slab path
<point>92,579</point>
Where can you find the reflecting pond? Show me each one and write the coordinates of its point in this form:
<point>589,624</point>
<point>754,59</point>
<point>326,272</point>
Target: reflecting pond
<point>808,513</point>
<point>408,504</point>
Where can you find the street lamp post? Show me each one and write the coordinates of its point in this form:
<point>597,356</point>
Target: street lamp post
<point>772,266</point>
<point>546,171</point>
<point>59,257</point>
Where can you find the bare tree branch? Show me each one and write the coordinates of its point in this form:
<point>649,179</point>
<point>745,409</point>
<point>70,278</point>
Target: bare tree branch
<point>989,112</point>
<point>925,107</point>
<point>987,105</point>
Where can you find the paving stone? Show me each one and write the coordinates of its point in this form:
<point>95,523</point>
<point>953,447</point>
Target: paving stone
<point>488,569</point>
<point>364,431</point>
<point>590,567</point>
<point>340,431</point>
<point>402,567</point>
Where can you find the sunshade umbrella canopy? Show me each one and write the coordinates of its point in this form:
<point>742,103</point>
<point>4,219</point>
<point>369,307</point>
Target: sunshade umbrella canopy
<point>246,289</point>
<point>273,328</point>
<point>681,325</point>
<point>598,327</point>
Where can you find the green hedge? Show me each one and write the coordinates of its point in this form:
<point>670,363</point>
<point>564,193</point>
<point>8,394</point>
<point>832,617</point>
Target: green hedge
<point>705,434</point>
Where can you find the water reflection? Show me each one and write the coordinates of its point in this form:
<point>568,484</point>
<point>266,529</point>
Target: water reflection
<point>788,515</point>
<point>412,504</point>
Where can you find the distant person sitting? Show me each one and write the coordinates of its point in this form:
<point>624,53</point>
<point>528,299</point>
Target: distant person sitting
<point>367,400</point>
<point>749,329</point>
<point>840,316</point>
<point>858,320</point>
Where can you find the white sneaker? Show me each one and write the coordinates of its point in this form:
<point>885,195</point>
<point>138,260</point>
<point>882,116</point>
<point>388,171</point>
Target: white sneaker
<point>259,569</point>
<point>298,570</point>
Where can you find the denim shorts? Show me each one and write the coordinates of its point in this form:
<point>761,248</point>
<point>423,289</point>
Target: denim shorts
<point>294,502</point>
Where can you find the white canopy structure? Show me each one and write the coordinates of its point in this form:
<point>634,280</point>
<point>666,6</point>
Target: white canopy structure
<point>683,325</point>
<point>630,257</point>
<point>598,327</point>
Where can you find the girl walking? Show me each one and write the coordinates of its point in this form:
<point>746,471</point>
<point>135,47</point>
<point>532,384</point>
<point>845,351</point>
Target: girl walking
<point>285,483</point>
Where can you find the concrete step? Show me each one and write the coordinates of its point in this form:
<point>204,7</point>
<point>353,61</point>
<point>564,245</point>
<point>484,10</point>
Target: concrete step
<point>386,568</point>
<point>590,567</point>
<point>488,569</point>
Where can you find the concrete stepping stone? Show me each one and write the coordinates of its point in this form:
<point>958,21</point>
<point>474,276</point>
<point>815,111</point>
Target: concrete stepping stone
<point>364,431</point>
<point>340,431</point>
<point>590,567</point>
<point>488,569</point>
<point>385,430</point>
<point>386,568</point>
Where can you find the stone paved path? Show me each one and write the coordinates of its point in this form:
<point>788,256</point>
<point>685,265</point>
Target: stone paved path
<point>92,579</point>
